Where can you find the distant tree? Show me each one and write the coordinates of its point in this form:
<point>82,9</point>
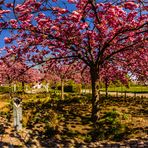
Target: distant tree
<point>58,69</point>
<point>17,71</point>
<point>111,74</point>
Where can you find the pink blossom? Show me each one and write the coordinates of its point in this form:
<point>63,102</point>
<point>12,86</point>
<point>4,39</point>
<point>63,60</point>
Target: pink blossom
<point>4,11</point>
<point>42,21</point>
<point>54,28</point>
<point>84,25</point>
<point>130,5</point>
<point>72,1</point>
<point>7,40</point>
<point>9,5</point>
<point>76,15</point>
<point>13,23</point>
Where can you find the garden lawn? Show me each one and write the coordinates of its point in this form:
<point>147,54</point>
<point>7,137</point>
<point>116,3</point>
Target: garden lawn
<point>134,89</point>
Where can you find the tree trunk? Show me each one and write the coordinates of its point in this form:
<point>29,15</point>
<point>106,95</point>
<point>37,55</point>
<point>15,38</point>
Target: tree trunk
<point>10,90</point>
<point>95,95</point>
<point>106,88</point>
<point>62,89</point>
<point>14,87</point>
<point>47,88</point>
<point>80,89</point>
<point>85,90</point>
<point>23,87</point>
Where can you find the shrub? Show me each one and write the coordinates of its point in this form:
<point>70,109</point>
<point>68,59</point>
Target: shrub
<point>110,127</point>
<point>4,89</point>
<point>67,88</point>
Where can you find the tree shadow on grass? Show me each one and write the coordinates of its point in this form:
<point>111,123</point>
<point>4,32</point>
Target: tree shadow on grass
<point>68,112</point>
<point>73,116</point>
<point>74,113</point>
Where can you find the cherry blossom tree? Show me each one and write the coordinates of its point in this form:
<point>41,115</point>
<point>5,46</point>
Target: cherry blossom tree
<point>90,31</point>
<point>50,78</point>
<point>62,71</point>
<point>138,67</point>
<point>17,71</point>
<point>29,76</point>
<point>111,74</point>
<point>9,72</point>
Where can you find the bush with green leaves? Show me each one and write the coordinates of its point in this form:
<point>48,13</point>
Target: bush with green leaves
<point>110,127</point>
<point>4,89</point>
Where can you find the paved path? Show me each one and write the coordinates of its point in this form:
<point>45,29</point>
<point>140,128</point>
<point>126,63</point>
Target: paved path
<point>120,94</point>
<point>127,94</point>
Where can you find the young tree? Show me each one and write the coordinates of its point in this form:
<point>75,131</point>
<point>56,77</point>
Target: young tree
<point>63,71</point>
<point>110,74</point>
<point>90,31</point>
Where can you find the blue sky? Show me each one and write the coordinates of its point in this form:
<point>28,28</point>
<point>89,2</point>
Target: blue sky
<point>3,34</point>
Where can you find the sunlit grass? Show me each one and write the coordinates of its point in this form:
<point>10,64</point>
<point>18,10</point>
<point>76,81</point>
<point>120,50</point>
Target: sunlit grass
<point>138,89</point>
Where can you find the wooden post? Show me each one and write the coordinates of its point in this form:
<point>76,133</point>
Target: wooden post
<point>135,94</point>
<point>125,94</point>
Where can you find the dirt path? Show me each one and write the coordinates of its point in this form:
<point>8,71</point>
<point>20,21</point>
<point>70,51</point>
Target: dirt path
<point>10,138</point>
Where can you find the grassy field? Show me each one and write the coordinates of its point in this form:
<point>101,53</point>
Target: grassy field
<point>49,118</point>
<point>133,89</point>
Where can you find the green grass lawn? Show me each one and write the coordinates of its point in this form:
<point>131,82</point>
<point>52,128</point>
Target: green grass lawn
<point>133,89</point>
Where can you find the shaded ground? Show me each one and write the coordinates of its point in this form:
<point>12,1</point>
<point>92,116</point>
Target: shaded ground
<point>52,123</point>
